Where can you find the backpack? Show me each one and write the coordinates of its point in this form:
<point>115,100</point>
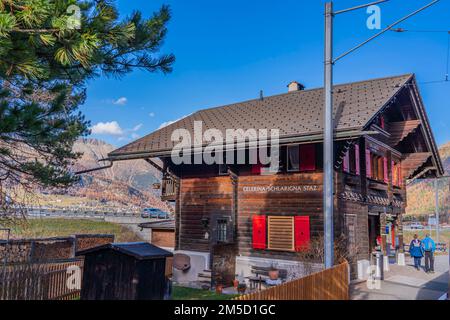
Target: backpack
<point>428,245</point>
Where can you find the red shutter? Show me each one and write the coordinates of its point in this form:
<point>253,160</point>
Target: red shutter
<point>357,164</point>
<point>382,122</point>
<point>394,173</point>
<point>259,232</point>
<point>346,163</point>
<point>256,168</point>
<point>302,233</point>
<point>368,164</point>
<point>307,157</point>
<point>385,170</point>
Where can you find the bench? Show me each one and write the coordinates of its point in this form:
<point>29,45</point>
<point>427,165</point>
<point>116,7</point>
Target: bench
<point>262,274</point>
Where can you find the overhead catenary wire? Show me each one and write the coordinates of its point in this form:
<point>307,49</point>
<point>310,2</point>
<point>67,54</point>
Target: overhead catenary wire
<point>447,53</point>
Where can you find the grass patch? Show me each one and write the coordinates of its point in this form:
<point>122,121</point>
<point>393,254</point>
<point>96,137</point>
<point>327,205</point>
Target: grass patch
<point>184,293</point>
<point>59,227</point>
<point>444,235</point>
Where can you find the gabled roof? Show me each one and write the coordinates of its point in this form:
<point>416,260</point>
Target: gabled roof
<point>295,114</point>
<point>138,250</point>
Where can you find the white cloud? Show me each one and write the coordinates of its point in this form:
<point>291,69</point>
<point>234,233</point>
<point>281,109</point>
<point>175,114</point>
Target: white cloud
<point>135,136</point>
<point>137,127</point>
<point>167,123</point>
<point>151,114</point>
<point>121,101</point>
<point>112,128</point>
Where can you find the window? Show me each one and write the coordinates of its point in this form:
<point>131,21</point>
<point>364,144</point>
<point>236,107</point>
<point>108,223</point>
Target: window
<point>280,233</point>
<point>378,167</point>
<point>351,160</point>
<point>223,170</point>
<point>396,174</point>
<point>293,158</point>
<point>222,230</point>
<point>301,157</point>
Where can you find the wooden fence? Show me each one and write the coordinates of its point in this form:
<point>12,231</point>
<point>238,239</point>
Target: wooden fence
<point>330,284</point>
<point>41,281</point>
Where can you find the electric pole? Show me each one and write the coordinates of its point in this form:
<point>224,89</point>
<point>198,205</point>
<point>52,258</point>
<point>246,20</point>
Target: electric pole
<point>436,194</point>
<point>328,152</point>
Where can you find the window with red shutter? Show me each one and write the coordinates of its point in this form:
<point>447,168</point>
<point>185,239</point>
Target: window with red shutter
<point>394,173</point>
<point>307,157</point>
<point>357,164</point>
<point>368,164</point>
<point>302,232</point>
<point>259,232</point>
<point>385,170</point>
<point>346,162</point>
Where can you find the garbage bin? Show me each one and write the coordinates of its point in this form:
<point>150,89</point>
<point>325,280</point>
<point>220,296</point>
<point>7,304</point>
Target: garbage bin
<point>379,263</point>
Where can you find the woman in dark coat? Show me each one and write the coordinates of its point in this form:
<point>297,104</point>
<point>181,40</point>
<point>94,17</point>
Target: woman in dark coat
<point>416,251</point>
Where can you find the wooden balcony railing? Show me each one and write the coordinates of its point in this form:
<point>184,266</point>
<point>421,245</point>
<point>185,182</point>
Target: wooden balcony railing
<point>168,189</point>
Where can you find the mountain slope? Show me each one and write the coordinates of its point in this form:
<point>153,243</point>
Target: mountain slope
<point>136,173</point>
<point>127,185</point>
<point>421,195</point>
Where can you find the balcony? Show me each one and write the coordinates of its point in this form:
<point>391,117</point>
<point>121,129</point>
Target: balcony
<point>168,189</point>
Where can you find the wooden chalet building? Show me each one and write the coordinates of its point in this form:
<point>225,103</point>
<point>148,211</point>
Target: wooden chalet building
<point>233,217</point>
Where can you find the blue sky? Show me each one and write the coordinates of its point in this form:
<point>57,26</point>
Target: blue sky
<point>227,51</point>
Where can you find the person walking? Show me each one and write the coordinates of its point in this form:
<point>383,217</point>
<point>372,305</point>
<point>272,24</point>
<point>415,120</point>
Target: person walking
<point>429,247</point>
<point>416,251</point>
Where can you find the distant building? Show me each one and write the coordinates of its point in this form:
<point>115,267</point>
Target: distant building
<point>241,212</point>
<point>162,233</point>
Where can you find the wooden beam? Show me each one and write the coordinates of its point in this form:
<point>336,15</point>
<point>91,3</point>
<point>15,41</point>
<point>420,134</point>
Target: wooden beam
<point>413,161</point>
<point>400,130</point>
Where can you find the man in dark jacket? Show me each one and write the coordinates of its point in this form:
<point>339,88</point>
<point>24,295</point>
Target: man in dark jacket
<point>416,251</point>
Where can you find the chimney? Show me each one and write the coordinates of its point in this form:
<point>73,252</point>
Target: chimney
<point>295,86</point>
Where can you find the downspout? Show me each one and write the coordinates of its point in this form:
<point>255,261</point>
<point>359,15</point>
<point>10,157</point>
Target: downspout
<point>235,182</point>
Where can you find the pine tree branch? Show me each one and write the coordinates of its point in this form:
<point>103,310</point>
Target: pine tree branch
<point>34,31</point>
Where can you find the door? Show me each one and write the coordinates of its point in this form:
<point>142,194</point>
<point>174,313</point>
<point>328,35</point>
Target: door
<point>374,230</point>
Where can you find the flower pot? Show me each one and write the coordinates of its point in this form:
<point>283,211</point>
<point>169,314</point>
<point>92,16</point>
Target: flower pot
<point>274,274</point>
<point>235,283</point>
<point>219,289</point>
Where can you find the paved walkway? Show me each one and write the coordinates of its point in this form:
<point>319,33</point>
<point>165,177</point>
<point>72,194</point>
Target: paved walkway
<point>406,283</point>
